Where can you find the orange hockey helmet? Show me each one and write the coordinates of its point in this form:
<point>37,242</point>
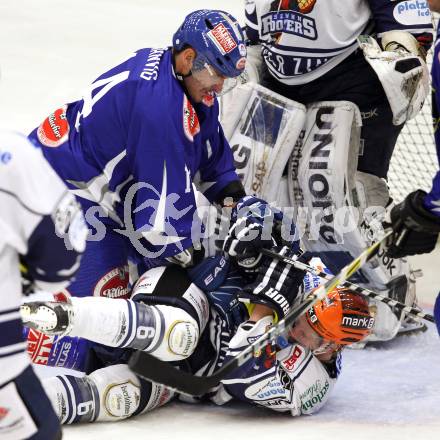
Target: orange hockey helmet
<point>343,317</point>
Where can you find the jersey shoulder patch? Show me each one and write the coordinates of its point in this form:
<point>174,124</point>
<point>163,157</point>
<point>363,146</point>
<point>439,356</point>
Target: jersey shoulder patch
<point>293,358</point>
<point>191,125</point>
<point>54,130</point>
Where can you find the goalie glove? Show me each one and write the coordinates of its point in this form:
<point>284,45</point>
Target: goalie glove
<point>402,41</point>
<point>277,284</point>
<point>415,229</point>
<point>404,75</point>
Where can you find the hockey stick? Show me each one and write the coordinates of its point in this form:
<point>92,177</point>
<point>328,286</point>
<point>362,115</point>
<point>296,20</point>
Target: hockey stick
<point>412,311</point>
<point>155,370</point>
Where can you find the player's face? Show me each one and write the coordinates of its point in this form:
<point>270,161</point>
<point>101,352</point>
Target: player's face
<point>203,87</point>
<point>434,5</point>
<point>204,84</point>
<point>304,334</point>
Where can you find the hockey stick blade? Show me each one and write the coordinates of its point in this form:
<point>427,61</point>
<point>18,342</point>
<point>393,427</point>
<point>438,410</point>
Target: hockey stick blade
<point>155,370</point>
<point>412,311</point>
<point>151,368</point>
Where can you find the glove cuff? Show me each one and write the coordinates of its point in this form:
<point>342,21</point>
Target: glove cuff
<point>247,297</point>
<point>415,216</point>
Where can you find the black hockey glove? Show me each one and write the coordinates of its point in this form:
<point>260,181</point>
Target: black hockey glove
<point>415,229</point>
<point>277,284</point>
<point>255,225</point>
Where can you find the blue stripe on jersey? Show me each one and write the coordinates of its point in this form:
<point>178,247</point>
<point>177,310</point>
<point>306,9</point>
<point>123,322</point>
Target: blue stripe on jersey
<point>11,353</point>
<point>11,329</point>
<point>47,258</point>
<point>5,312</point>
<point>292,49</point>
<point>130,323</point>
<point>67,418</point>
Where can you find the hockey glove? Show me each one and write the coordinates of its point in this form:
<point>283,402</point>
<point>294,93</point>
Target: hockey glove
<point>277,284</point>
<point>255,225</point>
<point>415,229</point>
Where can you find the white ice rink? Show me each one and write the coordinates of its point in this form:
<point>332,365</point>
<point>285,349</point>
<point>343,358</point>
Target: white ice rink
<point>51,49</point>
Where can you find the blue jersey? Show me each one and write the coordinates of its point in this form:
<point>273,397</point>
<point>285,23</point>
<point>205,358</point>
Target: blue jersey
<point>134,145</point>
<point>432,200</point>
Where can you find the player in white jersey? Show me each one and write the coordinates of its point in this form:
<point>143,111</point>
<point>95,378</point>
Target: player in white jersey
<point>354,72</point>
<point>294,375</point>
<point>41,228</point>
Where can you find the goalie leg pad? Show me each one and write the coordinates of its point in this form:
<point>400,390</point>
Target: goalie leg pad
<point>262,128</point>
<point>321,171</point>
<point>340,209</point>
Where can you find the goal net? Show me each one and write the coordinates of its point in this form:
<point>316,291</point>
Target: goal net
<point>414,162</point>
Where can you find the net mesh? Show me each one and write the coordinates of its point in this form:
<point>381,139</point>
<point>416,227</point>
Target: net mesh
<point>414,162</point>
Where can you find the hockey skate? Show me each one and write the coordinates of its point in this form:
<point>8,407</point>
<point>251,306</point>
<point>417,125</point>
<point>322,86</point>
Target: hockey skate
<point>410,325</point>
<point>49,317</point>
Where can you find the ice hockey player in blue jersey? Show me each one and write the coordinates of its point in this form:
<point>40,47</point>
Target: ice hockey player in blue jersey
<point>416,221</point>
<point>356,70</point>
<point>133,146</point>
<point>281,377</point>
<point>42,229</point>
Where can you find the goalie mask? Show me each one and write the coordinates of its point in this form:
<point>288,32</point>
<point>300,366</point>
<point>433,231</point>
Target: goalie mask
<point>342,317</point>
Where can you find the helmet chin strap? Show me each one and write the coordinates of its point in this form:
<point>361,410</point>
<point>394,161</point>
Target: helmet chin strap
<point>179,76</point>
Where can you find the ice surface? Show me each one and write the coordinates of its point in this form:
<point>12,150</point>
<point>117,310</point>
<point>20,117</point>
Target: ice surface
<point>49,51</point>
<point>388,392</point>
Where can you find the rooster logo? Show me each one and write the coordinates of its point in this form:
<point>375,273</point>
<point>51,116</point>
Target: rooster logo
<point>303,6</point>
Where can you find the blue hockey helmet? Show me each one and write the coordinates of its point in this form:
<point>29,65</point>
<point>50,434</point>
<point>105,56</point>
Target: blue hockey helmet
<point>217,39</point>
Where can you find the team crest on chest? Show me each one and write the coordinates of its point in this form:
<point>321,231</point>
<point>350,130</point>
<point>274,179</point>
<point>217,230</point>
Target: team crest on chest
<point>191,125</point>
<point>290,17</point>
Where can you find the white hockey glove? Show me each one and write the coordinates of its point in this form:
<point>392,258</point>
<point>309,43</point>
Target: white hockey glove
<point>404,75</point>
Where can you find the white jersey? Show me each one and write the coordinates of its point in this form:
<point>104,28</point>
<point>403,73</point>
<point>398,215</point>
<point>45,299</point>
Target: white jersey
<point>292,380</point>
<point>32,196</point>
<point>304,39</point>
